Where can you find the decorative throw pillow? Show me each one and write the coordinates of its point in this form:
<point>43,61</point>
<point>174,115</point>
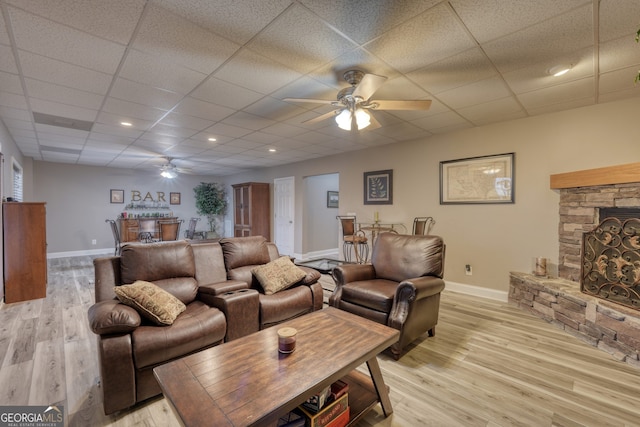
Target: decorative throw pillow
<point>278,275</point>
<point>151,301</point>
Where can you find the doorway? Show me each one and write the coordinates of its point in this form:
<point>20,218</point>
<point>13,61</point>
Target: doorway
<point>320,231</point>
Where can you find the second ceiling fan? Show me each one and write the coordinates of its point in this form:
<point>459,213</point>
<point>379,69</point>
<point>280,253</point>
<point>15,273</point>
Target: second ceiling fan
<point>353,101</point>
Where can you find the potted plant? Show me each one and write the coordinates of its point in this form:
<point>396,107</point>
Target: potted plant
<point>210,201</point>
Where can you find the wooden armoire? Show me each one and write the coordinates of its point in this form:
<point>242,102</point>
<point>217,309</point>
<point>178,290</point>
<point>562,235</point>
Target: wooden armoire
<point>251,210</point>
<point>25,251</point>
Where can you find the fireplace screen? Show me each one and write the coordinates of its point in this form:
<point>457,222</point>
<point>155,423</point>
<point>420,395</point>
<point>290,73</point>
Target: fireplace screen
<point>611,262</point>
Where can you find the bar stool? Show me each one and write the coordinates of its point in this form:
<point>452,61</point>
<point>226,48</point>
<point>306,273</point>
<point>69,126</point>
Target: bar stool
<point>352,239</point>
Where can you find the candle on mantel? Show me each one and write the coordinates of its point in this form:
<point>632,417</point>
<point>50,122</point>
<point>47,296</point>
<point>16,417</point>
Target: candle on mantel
<point>375,216</point>
<point>541,266</point>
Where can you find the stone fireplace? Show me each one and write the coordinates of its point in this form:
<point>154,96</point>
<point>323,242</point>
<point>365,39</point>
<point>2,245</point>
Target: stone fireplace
<point>607,325</point>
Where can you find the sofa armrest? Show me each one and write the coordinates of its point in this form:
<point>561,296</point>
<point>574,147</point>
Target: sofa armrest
<point>107,276</point>
<point>112,317</point>
<point>312,276</point>
<point>213,289</point>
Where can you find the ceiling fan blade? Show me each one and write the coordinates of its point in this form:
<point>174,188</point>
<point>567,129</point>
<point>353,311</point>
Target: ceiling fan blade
<point>368,85</point>
<point>322,117</point>
<point>314,101</point>
<point>400,105</point>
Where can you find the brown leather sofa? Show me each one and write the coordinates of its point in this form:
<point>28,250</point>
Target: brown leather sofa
<point>217,309</point>
<point>243,254</point>
<point>400,288</point>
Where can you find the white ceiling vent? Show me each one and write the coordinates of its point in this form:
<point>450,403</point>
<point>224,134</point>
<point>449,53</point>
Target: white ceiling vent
<point>63,122</point>
<point>60,150</point>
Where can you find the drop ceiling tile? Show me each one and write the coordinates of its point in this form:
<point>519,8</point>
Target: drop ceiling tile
<point>508,16</point>
<point>245,144</point>
<point>206,134</point>
<point>49,156</point>
<point>13,100</point>
<point>256,72</point>
<point>248,121</point>
<point>4,36</point>
<point>475,93</point>
<point>225,129</point>
<point>537,76</point>
<point>622,79</point>
<point>140,93</point>
<point>113,20</point>
<point>22,133</point>
<point>431,36</point>
<point>554,39</point>
<point>14,124</point>
<point>438,121</point>
<point>618,95</point>
<point>561,106</point>
<point>292,39</point>
<point>110,124</point>
<point>68,75</point>
<point>262,137</point>
<point>14,113</point>
<point>618,19</point>
<point>455,71</point>
<point>202,143</point>
<point>47,38</point>
<point>274,109</point>
<point>401,131</point>
<point>7,61</point>
<point>65,95</point>
<point>204,110</point>
<point>284,130</point>
<point>172,131</point>
<point>61,131</point>
<point>618,54</point>
<point>363,20</point>
<point>160,72</point>
<point>165,34</point>
<point>185,121</point>
<point>306,87</point>
<point>223,93</point>
<point>235,20</point>
<point>567,92</point>
<point>132,110</point>
<point>222,150</point>
<point>493,111</point>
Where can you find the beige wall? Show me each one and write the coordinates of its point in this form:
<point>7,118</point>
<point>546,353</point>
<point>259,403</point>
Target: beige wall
<point>494,239</point>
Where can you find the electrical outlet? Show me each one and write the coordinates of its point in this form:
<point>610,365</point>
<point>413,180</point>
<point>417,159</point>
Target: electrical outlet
<point>468,270</point>
<point>94,242</point>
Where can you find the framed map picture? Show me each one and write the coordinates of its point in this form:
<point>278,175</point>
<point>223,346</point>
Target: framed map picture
<point>486,179</point>
<point>378,187</point>
<point>174,198</point>
<point>117,196</point>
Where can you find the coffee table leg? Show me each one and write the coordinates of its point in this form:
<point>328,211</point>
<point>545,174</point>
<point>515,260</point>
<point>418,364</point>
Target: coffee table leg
<point>381,388</point>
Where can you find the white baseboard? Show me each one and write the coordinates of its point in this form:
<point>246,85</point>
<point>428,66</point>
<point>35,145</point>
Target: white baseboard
<point>477,291</point>
<point>102,251</point>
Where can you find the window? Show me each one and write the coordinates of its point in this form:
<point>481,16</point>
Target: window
<point>17,182</point>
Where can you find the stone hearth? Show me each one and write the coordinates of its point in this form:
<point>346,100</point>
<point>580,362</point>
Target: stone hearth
<point>609,326</point>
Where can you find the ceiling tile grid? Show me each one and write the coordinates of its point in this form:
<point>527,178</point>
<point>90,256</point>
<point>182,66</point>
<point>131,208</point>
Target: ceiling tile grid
<point>182,72</point>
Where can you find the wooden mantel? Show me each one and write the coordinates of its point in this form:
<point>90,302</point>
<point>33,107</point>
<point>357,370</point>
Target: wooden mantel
<point>621,174</point>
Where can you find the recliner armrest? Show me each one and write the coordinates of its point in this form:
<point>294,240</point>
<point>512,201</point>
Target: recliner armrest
<point>418,288</point>
<point>213,289</point>
<point>352,273</point>
<point>112,317</point>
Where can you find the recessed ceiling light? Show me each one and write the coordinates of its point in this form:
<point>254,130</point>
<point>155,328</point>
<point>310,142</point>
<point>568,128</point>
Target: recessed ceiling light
<point>126,124</point>
<point>272,150</point>
<point>559,70</point>
<point>212,139</point>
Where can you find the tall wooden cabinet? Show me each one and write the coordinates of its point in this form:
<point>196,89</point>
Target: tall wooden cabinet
<point>25,251</point>
<point>251,210</point>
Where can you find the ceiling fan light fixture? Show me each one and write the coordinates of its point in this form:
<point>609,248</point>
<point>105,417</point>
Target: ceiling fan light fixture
<point>170,174</point>
<point>344,119</point>
<point>559,70</point>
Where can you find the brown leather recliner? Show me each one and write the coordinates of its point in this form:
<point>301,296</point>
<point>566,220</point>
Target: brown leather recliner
<point>242,254</point>
<point>129,346</point>
<point>400,288</point>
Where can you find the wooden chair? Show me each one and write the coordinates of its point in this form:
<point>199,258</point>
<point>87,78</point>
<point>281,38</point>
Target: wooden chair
<point>169,229</point>
<point>422,225</point>
<point>353,239</point>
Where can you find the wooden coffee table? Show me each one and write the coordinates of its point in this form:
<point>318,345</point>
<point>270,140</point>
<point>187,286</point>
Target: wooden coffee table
<point>246,382</point>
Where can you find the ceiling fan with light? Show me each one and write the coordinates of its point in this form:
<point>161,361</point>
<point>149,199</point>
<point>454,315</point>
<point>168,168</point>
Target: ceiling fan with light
<point>354,101</point>
<point>170,170</point>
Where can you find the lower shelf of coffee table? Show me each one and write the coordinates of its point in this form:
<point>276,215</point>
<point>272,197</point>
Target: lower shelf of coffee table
<point>362,395</point>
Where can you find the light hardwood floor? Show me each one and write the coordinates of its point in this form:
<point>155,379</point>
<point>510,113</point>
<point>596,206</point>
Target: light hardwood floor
<point>490,364</point>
